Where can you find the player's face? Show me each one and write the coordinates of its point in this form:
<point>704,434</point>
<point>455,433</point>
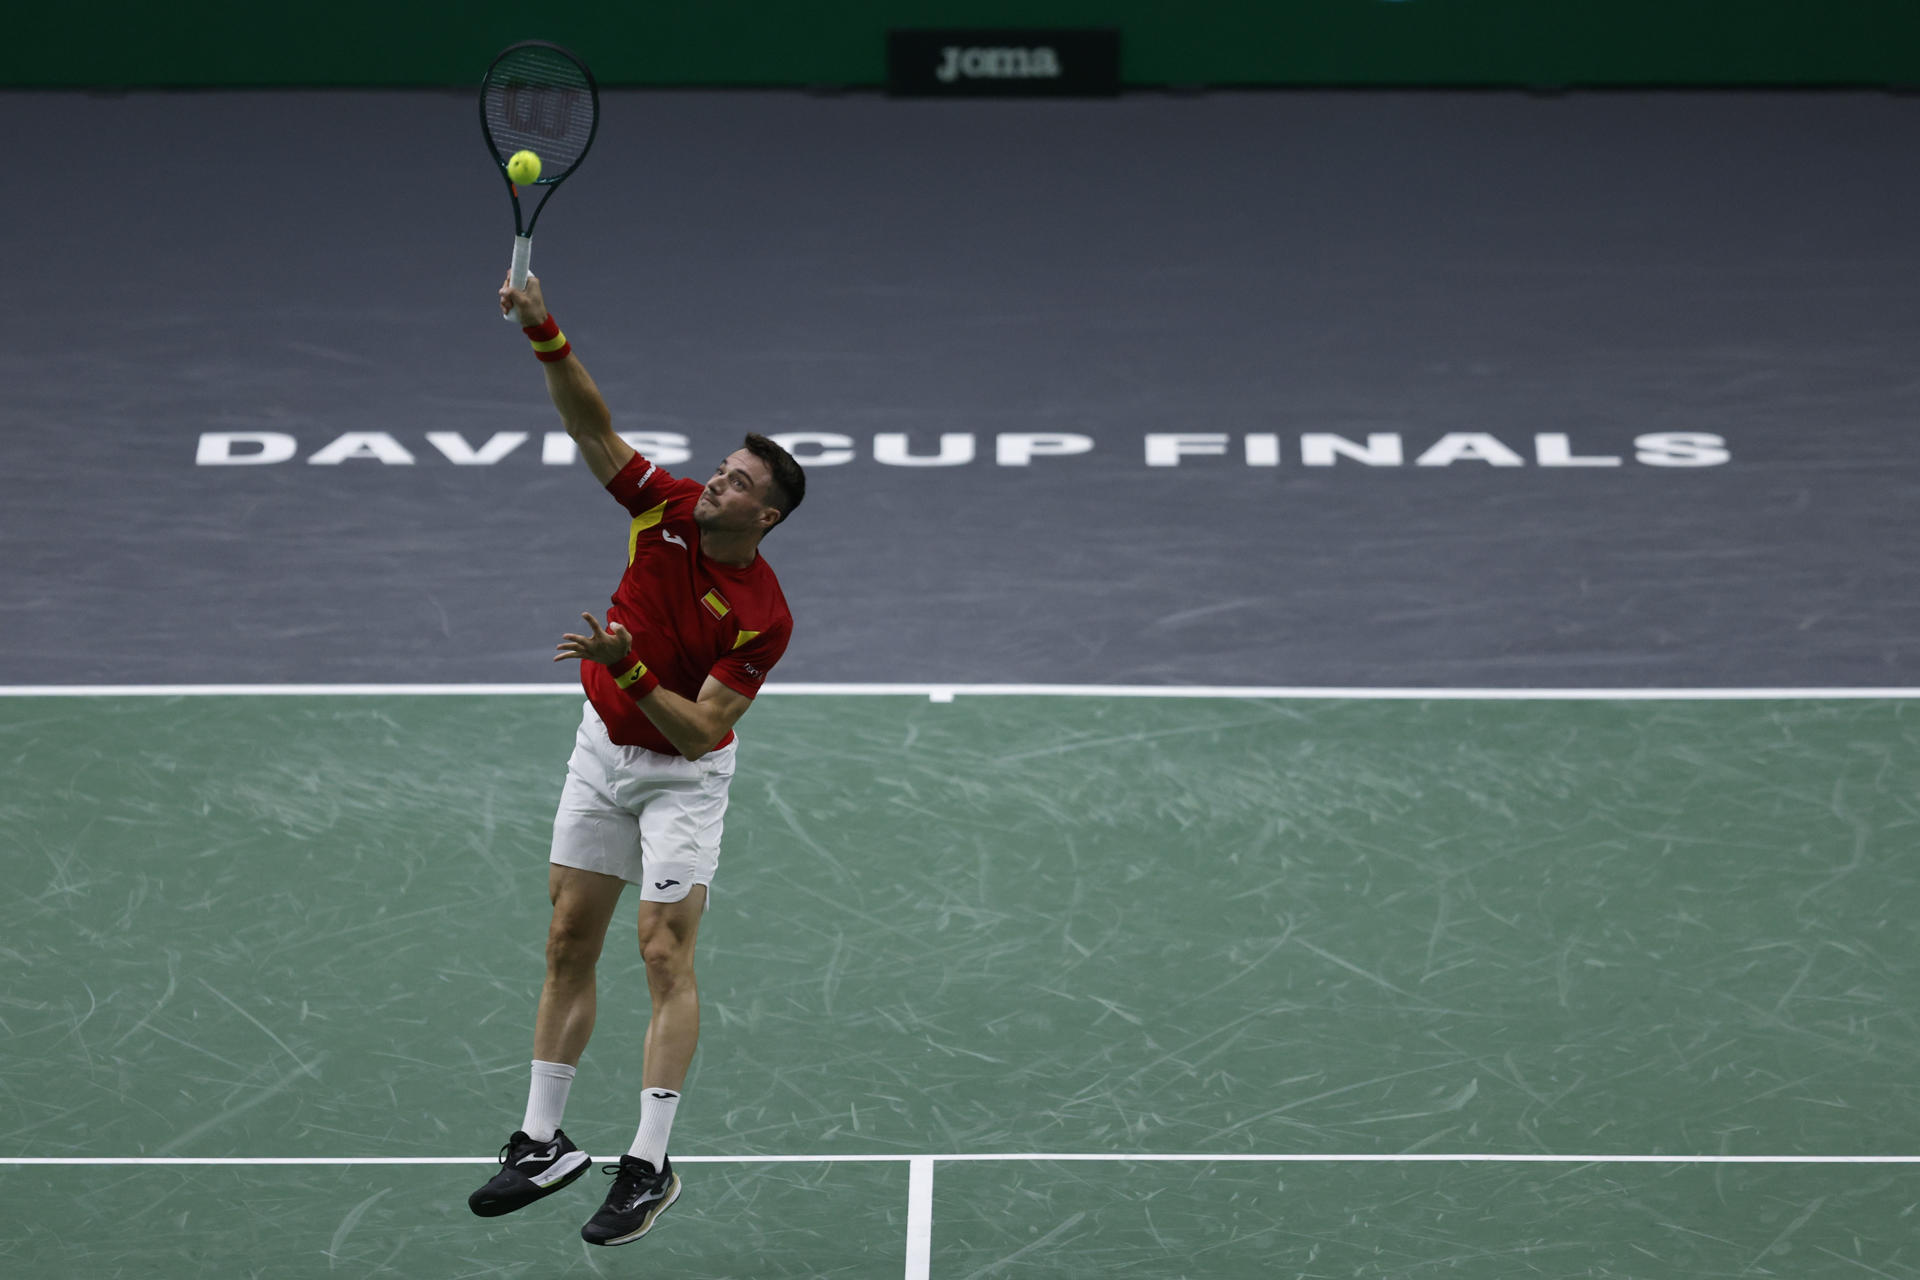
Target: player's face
<point>735,500</point>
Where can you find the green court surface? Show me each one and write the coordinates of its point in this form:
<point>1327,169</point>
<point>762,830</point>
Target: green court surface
<point>1322,941</point>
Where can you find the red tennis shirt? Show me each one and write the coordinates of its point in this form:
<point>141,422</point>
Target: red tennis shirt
<point>691,617</point>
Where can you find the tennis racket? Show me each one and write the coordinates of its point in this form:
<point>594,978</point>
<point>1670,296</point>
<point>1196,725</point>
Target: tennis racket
<point>537,97</point>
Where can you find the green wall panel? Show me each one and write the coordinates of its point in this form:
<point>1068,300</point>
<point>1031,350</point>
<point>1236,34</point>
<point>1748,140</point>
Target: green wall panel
<point>778,42</point>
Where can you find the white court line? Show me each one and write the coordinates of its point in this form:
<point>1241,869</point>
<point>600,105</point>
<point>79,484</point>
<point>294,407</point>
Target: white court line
<point>919,1217</point>
<point>1418,1157</point>
<point>947,692</point>
<point>919,1242</point>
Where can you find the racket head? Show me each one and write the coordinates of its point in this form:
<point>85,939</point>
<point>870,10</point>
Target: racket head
<point>539,97</point>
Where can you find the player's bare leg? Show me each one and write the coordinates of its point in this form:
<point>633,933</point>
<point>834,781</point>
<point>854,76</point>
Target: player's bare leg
<point>645,1183</point>
<point>583,906</point>
<point>539,1159</point>
<point>668,931</point>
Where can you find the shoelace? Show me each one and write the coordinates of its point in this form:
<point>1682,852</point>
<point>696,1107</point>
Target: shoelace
<point>629,1183</point>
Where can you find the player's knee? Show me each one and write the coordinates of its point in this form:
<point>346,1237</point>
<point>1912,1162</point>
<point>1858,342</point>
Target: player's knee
<point>572,947</point>
<point>669,960</point>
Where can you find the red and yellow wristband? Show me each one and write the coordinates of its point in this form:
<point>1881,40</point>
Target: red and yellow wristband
<point>550,346</point>
<point>632,675</point>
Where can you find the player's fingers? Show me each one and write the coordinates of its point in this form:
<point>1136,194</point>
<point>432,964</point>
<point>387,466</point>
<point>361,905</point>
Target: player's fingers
<point>595,624</point>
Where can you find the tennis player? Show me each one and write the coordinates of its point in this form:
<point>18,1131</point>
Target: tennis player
<point>695,625</point>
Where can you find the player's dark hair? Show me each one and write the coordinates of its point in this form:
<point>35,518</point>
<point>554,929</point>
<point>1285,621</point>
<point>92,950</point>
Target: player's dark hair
<point>789,481</point>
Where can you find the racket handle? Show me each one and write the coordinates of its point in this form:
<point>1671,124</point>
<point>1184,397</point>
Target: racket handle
<point>522,256</point>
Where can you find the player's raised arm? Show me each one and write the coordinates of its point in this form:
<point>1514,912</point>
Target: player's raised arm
<point>581,407</point>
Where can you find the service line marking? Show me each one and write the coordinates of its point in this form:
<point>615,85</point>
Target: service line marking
<point>948,692</point>
<point>927,1161</point>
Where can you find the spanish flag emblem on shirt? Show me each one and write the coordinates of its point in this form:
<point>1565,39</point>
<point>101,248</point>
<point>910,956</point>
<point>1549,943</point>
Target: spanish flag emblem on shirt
<point>716,604</point>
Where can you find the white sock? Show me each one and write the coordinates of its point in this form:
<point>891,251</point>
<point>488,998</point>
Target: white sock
<point>546,1099</point>
<point>656,1122</point>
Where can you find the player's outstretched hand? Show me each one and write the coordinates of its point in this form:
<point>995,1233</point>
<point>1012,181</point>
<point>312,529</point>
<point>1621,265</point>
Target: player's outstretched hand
<point>526,306</point>
<point>607,646</point>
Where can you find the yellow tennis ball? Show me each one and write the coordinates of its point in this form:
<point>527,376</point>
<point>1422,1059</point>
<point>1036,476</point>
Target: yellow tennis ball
<point>523,167</point>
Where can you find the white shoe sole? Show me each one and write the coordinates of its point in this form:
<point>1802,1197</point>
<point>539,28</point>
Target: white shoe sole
<point>653,1216</point>
<point>560,1168</point>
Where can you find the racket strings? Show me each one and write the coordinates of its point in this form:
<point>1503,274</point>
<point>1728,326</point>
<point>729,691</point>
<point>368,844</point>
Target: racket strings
<point>539,100</point>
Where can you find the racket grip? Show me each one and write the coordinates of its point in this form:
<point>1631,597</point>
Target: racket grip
<point>522,257</point>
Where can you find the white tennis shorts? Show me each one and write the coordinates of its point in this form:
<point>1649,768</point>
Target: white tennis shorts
<point>650,819</point>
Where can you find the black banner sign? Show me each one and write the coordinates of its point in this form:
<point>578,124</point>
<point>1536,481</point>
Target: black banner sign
<point>1004,62</point>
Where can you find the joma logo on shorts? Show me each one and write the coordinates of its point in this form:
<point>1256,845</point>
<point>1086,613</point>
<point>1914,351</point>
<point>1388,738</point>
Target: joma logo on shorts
<point>1040,63</point>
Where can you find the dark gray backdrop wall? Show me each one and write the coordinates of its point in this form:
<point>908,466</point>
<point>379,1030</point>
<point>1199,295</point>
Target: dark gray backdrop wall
<point>1540,276</point>
<point>842,42</point>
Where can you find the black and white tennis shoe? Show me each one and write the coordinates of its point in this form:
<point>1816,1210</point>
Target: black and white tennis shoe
<point>529,1171</point>
<point>640,1194</point>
